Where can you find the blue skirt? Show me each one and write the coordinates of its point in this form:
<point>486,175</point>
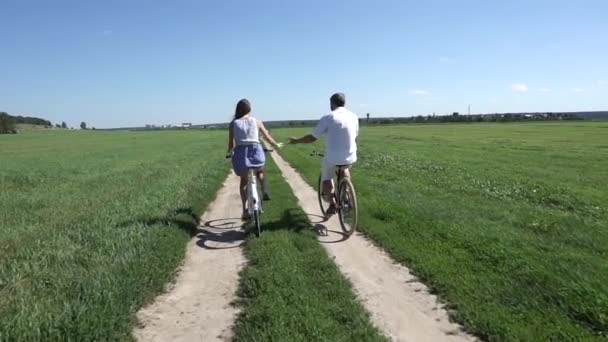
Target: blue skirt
<point>247,157</point>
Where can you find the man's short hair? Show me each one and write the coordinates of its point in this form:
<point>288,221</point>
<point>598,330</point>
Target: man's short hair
<point>338,99</point>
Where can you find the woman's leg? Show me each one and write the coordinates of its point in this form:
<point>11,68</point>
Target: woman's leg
<point>243,190</point>
<point>262,179</point>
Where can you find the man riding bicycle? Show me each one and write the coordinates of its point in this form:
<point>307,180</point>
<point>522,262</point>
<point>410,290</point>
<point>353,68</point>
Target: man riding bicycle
<point>342,129</point>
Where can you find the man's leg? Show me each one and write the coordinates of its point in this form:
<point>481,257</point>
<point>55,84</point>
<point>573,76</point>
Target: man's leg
<point>346,172</point>
<point>327,174</point>
<point>328,191</point>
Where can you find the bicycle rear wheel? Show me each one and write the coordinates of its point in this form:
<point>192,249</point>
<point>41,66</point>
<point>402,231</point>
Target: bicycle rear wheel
<point>348,208</point>
<point>258,224</point>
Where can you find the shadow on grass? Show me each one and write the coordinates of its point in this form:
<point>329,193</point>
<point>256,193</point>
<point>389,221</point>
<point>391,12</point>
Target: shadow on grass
<point>184,218</point>
<point>292,219</point>
<point>227,233</point>
<point>296,220</point>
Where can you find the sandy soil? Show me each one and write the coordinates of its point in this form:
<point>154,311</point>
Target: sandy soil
<point>197,307</point>
<point>399,305</point>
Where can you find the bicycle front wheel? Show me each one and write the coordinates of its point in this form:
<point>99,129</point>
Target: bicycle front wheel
<point>348,208</point>
<point>258,224</point>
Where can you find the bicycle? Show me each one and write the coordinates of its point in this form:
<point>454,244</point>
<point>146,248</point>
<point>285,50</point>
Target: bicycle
<point>345,197</point>
<point>254,205</point>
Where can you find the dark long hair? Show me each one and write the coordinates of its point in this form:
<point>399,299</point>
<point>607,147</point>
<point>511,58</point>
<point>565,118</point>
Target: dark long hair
<point>242,108</point>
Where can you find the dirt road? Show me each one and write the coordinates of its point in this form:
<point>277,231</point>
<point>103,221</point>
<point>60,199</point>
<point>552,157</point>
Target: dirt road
<point>197,307</point>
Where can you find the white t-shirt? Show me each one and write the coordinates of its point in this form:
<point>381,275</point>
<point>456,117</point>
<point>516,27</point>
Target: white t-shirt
<point>342,128</point>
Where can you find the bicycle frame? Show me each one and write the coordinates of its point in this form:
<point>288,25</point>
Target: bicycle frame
<point>254,204</point>
<point>253,199</point>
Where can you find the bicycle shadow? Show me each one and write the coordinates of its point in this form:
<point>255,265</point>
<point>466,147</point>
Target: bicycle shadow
<point>291,219</point>
<point>315,219</point>
<point>227,233</point>
<point>221,233</point>
<point>225,223</point>
<point>317,224</point>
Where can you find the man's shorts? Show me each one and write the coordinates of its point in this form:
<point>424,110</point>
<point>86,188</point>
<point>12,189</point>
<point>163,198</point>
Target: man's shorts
<point>328,170</point>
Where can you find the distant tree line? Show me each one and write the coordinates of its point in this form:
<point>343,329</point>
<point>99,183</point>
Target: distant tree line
<point>8,122</point>
<point>452,118</point>
<point>31,121</point>
<point>456,117</point>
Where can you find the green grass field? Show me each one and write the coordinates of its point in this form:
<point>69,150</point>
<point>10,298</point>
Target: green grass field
<point>94,224</point>
<point>507,222</point>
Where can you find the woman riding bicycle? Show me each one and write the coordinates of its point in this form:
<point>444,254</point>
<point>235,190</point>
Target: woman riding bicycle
<point>246,150</point>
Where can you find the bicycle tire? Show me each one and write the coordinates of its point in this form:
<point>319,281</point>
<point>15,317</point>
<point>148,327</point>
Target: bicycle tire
<point>347,204</point>
<point>322,203</point>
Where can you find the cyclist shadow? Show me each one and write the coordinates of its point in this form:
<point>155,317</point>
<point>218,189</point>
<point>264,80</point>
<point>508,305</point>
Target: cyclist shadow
<point>223,233</point>
<point>183,218</point>
<point>296,220</point>
<point>324,234</point>
<point>227,233</point>
<point>291,219</point>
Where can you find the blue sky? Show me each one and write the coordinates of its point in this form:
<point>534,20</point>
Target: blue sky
<point>129,63</point>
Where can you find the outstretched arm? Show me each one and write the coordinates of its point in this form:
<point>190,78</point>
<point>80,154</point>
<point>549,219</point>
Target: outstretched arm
<point>230,139</point>
<point>319,130</point>
<point>267,135</point>
<point>307,139</point>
